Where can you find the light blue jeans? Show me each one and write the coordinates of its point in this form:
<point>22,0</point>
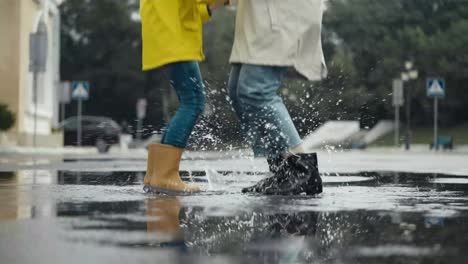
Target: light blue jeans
<point>186,79</point>
<point>253,90</point>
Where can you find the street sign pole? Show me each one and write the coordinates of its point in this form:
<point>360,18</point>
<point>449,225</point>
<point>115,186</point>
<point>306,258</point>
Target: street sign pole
<point>35,108</point>
<point>139,127</point>
<point>141,114</point>
<point>398,101</point>
<point>80,92</point>
<point>436,121</point>
<point>436,89</point>
<point>78,134</point>
<point>37,64</point>
<point>62,112</point>
<point>408,119</point>
<point>397,126</point>
<point>65,98</point>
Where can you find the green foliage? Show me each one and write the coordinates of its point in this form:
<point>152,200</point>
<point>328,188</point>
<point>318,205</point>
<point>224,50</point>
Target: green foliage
<point>381,35</point>
<point>425,136</point>
<point>101,43</point>
<point>7,118</point>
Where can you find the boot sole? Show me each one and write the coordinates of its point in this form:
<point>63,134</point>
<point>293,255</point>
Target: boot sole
<point>315,190</point>
<point>164,191</point>
<point>308,190</point>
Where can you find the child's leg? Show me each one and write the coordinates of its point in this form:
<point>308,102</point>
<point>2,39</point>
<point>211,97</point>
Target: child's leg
<point>162,174</point>
<point>186,79</point>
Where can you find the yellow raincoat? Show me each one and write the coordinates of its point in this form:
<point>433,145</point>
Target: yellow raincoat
<point>172,30</point>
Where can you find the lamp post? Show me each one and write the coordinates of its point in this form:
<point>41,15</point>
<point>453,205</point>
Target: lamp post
<point>406,76</point>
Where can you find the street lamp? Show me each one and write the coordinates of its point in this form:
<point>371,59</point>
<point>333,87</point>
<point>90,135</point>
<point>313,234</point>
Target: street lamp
<point>404,76</point>
<point>408,65</point>
<point>413,74</point>
<point>409,74</point>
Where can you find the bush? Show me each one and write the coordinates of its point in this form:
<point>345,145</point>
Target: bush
<point>7,118</point>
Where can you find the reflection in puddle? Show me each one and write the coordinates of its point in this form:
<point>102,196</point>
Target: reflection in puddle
<point>381,217</point>
<point>17,197</point>
<point>256,237</point>
<point>99,178</point>
<point>163,222</point>
<point>457,180</point>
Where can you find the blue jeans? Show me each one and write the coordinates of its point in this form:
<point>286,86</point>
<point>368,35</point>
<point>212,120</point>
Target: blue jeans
<point>253,90</point>
<point>186,79</point>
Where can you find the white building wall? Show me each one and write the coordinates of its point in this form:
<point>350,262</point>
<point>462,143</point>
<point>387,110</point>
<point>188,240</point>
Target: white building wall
<point>19,18</point>
<point>46,82</point>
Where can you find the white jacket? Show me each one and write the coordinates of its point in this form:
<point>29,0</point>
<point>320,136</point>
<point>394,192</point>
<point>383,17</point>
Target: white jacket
<point>280,33</point>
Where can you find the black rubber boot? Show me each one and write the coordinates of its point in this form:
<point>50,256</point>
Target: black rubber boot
<point>277,167</point>
<point>306,166</point>
<point>276,164</point>
<point>294,175</point>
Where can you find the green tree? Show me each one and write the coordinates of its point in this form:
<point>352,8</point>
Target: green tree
<point>381,35</point>
<point>101,43</point>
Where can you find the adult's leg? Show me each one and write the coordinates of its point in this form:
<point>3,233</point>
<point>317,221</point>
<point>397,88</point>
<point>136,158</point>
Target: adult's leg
<point>232,88</point>
<point>266,117</point>
<point>257,146</point>
<point>263,111</point>
<point>186,79</point>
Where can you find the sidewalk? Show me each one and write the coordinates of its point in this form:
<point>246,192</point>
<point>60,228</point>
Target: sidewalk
<point>332,162</point>
<point>47,151</point>
<point>417,148</point>
<point>116,152</point>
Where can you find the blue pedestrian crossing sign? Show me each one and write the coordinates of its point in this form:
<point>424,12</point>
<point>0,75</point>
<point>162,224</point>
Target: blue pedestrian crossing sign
<point>436,88</point>
<point>80,90</point>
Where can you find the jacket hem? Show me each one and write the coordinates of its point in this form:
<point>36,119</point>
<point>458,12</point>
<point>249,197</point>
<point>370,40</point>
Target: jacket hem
<point>317,73</point>
<point>153,66</point>
<point>268,62</point>
<point>309,75</point>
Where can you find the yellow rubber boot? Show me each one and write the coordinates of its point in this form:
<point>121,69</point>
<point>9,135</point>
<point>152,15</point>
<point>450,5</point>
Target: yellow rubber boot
<point>162,174</point>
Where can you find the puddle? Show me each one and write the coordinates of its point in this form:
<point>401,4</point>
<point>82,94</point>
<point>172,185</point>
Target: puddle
<point>377,217</point>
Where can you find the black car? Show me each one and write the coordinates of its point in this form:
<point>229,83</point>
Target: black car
<point>98,131</point>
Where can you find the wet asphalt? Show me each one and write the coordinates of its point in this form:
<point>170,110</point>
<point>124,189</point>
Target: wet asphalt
<point>91,215</point>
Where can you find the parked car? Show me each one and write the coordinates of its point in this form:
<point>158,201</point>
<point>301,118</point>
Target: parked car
<point>98,131</point>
